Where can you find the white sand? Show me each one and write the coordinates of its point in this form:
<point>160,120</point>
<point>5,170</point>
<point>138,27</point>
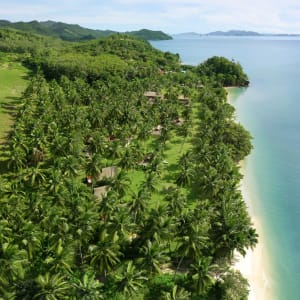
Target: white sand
<point>254,266</point>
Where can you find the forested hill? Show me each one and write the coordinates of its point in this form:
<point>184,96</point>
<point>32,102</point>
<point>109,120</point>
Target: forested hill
<point>74,32</point>
<point>120,176</point>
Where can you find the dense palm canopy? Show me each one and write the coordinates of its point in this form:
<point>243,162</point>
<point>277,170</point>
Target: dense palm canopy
<point>158,226</point>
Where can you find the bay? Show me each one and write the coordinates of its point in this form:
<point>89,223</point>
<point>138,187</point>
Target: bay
<point>270,110</point>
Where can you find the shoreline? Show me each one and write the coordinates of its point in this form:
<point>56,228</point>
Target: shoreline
<point>255,266</point>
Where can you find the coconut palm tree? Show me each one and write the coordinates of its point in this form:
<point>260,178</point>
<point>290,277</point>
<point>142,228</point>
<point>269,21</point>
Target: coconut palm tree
<point>88,287</point>
<point>35,176</point>
<point>130,280</point>
<point>152,257</point>
<point>105,254</point>
<point>120,183</point>
<point>176,200</point>
<point>138,205</point>
<point>177,293</point>
<point>53,287</point>
<point>201,275</point>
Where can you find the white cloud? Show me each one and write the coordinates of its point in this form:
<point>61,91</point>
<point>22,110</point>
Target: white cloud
<point>169,15</point>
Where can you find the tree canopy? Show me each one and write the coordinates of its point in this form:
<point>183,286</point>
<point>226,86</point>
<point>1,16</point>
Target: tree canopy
<point>121,178</point>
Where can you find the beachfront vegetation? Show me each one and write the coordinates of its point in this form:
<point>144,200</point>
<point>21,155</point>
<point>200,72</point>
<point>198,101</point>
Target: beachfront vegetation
<point>121,178</point>
<point>224,71</point>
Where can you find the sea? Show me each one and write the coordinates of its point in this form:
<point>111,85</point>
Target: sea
<point>270,109</point>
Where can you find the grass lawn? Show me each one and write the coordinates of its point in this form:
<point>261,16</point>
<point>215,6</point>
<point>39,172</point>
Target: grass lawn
<point>176,146</point>
<point>12,83</point>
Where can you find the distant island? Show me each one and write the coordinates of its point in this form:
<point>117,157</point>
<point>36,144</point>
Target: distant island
<point>74,32</point>
<point>230,33</point>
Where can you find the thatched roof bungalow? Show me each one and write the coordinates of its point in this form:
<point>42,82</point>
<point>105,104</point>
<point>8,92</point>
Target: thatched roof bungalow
<point>101,191</point>
<point>156,130</point>
<point>152,95</point>
<point>184,100</point>
<point>108,172</point>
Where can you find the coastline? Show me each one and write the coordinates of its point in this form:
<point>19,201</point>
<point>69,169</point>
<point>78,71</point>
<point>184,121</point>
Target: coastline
<point>254,266</point>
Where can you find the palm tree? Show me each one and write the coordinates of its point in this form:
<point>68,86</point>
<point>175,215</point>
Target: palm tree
<point>158,226</point>
<point>177,201</point>
<point>186,175</point>
<point>13,261</point>
<point>138,205</point>
<point>94,166</point>
<point>55,181</point>
<point>187,171</point>
<point>17,159</point>
<point>105,253</point>
<point>151,182</point>
<point>177,293</point>
<point>87,287</point>
<point>130,280</point>
<point>120,183</point>
<point>53,287</point>
<point>35,175</point>
<point>69,165</point>
<point>193,239</point>
<point>152,257</point>
<point>201,275</point>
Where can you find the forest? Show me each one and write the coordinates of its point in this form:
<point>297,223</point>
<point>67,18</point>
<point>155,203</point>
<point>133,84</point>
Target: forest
<point>120,175</point>
<point>74,32</point>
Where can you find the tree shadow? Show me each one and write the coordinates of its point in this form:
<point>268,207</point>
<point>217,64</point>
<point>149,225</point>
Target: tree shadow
<point>3,158</point>
<point>11,106</point>
<point>171,171</point>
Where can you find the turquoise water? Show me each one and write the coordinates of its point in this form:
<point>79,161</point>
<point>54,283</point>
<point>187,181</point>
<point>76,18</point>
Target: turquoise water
<point>270,110</point>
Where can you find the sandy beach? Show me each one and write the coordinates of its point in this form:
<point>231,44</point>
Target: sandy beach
<point>255,265</point>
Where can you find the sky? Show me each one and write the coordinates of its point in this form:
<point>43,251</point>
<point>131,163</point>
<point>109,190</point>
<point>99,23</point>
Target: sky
<point>170,16</point>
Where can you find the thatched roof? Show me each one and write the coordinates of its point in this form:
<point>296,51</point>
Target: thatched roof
<point>150,94</point>
<point>178,121</point>
<point>184,100</point>
<point>156,130</point>
<point>101,191</point>
<point>108,172</point>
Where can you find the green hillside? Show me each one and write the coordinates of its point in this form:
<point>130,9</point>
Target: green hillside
<point>74,32</point>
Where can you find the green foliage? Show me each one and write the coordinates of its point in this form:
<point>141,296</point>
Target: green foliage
<point>90,68</point>
<point>74,32</point>
<point>168,233</point>
<point>232,287</point>
<point>226,72</point>
<point>159,285</point>
<point>238,139</point>
<point>15,41</point>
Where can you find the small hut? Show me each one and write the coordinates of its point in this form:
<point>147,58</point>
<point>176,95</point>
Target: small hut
<point>152,95</point>
<point>178,122</point>
<point>146,160</point>
<point>101,191</point>
<point>183,100</point>
<point>108,172</point>
<point>156,130</point>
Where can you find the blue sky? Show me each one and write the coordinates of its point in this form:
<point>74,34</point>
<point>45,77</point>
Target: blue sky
<point>171,16</point>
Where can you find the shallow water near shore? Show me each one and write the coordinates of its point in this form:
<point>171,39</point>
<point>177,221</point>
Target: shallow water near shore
<point>270,110</point>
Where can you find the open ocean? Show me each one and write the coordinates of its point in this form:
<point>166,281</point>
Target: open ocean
<point>270,110</point>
